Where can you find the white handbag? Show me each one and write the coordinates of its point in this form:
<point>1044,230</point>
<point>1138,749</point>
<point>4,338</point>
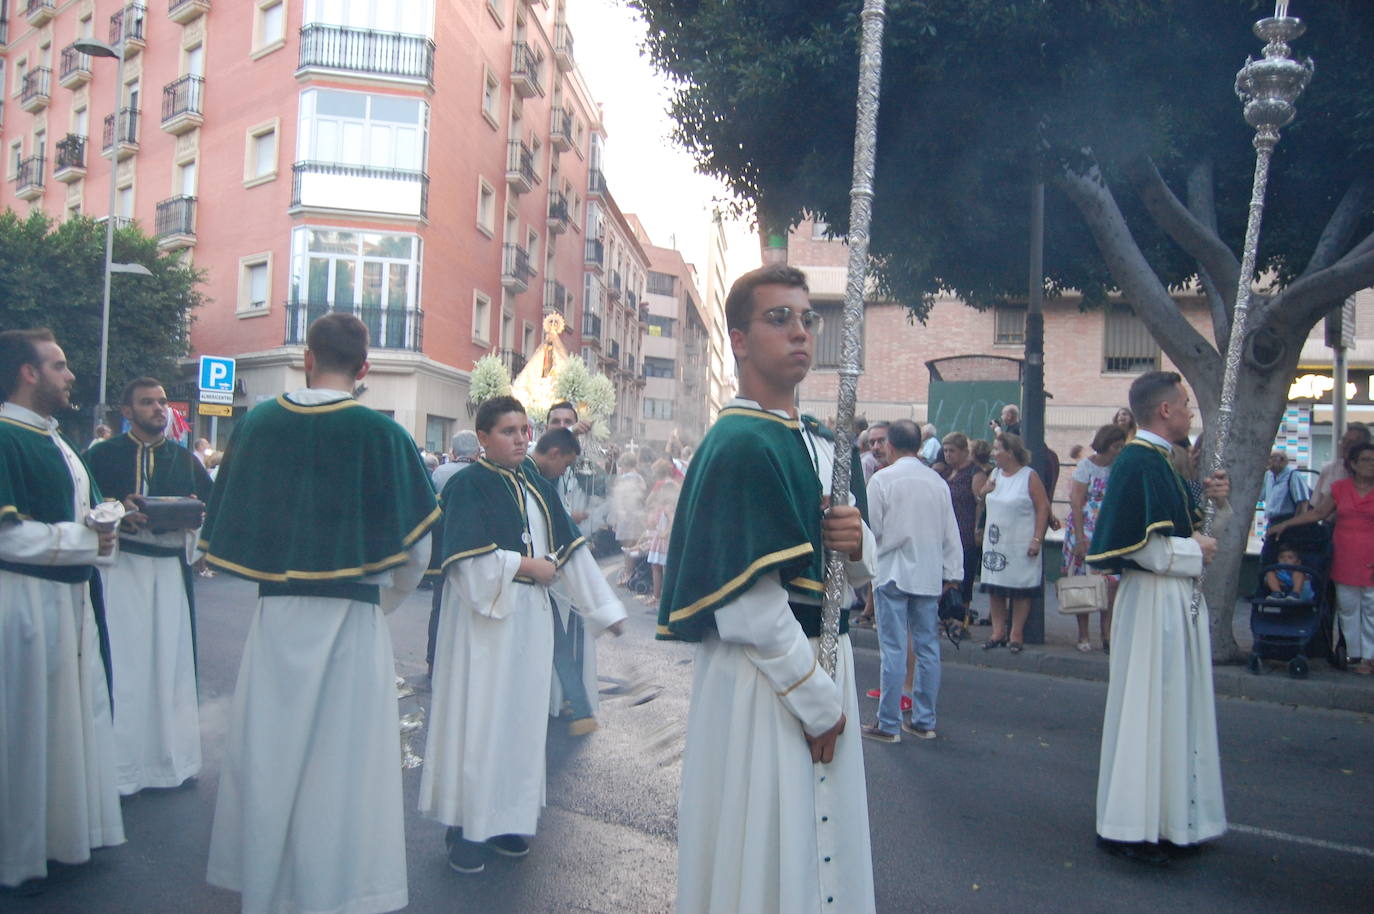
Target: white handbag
<point>1081,593</point>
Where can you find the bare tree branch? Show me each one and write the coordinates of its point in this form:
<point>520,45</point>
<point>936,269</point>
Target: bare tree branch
<point>1341,226</point>
<point>1187,231</point>
<point>1203,205</point>
<point>1136,279</point>
<point>1312,295</point>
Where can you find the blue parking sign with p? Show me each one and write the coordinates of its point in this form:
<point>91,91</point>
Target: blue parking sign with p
<point>216,373</point>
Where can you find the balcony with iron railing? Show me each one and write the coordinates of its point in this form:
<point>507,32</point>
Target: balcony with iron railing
<point>516,271</point>
<point>36,90</point>
<point>596,182</point>
<point>74,71</point>
<point>514,360</point>
<point>524,71</point>
<point>614,354</point>
<point>555,296</point>
<point>71,159</point>
<point>361,189</point>
<point>37,12</point>
<point>176,222</point>
<point>337,49</point>
<point>558,212</point>
<point>127,135</point>
<point>563,47</point>
<point>519,167</point>
<point>613,288</point>
<point>594,254</point>
<point>561,129</point>
<point>183,11</point>
<point>127,26</point>
<point>591,326</point>
<point>388,327</point>
<point>28,178</point>
<point>182,101</point>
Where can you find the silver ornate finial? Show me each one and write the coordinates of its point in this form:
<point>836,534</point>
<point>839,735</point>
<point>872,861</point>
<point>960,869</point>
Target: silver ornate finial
<point>1268,87</point>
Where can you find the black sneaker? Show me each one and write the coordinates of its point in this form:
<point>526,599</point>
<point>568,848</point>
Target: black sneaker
<point>467,857</point>
<point>509,845</point>
<point>1145,852</point>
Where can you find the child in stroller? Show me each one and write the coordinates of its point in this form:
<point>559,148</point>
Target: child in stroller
<point>1287,580</point>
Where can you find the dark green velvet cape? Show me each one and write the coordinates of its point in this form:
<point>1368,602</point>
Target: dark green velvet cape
<point>123,465</point>
<point>309,497</point>
<point>750,505</point>
<point>484,512</point>
<point>1145,495</point>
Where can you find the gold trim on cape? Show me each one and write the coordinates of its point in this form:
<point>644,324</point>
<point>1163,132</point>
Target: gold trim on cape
<point>330,407</point>
<point>759,564</point>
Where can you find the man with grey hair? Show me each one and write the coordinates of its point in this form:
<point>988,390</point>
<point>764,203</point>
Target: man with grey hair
<point>930,445</point>
<point>1285,491</point>
<point>463,453</point>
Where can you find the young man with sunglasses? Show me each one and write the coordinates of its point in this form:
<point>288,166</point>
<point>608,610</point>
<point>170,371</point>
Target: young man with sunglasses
<point>773,815</point>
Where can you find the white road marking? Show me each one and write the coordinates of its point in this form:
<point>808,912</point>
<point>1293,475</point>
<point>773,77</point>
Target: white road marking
<point>1300,839</point>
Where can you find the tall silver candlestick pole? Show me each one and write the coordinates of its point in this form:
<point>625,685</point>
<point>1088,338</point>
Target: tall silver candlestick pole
<point>860,214</point>
<point>1268,88</point>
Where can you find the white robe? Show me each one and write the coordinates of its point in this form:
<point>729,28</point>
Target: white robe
<point>761,828</point>
<point>156,720</point>
<point>58,798</point>
<point>1160,773</point>
<point>484,753</point>
<point>310,816</point>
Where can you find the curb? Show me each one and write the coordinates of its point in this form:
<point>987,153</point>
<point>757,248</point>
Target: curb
<point>1327,688</point>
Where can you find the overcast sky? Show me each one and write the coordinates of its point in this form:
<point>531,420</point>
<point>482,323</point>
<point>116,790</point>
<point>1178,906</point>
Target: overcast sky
<point>647,172</point>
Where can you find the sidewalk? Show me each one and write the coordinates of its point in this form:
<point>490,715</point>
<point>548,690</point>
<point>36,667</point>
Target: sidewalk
<point>1324,687</point>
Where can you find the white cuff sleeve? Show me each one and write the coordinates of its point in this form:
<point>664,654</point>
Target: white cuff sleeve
<point>486,582</point>
<point>1174,556</point>
<point>583,581</point>
<point>761,620</point>
<point>32,543</point>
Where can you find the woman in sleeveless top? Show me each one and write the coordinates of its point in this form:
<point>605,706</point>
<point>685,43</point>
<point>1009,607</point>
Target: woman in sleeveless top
<point>1017,511</point>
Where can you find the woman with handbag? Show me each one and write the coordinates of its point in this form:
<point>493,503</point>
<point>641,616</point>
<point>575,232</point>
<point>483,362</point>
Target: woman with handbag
<point>1085,499</point>
<point>1017,511</point>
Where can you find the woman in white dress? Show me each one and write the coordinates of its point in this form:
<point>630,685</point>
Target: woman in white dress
<point>1017,511</point>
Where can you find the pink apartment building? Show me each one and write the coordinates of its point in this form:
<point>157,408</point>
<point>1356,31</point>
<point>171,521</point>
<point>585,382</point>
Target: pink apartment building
<point>432,167</point>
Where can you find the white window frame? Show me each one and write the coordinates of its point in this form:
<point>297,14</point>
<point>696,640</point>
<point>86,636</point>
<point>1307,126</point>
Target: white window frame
<point>481,318</point>
<point>251,177</point>
<point>491,83</point>
<point>494,10</point>
<point>246,307</point>
<point>486,222</point>
<point>262,44</point>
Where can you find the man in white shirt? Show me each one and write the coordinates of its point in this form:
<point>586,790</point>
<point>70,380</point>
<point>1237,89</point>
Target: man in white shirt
<point>920,556</point>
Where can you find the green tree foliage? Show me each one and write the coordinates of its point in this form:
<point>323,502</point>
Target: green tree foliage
<point>51,275</point>
<point>1125,108</point>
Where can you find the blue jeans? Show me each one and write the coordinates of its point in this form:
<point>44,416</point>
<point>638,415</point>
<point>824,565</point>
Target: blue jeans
<point>567,662</point>
<point>904,619</point>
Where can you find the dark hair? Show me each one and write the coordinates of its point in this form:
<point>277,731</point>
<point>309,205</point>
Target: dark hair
<point>1012,443</point>
<point>1149,390</point>
<point>558,439</point>
<point>562,404</point>
<point>739,304</point>
<point>981,449</point>
<point>1353,455</point>
<point>339,342</point>
<point>1107,436</point>
<point>127,398</point>
<point>860,425</point>
<point>1361,428</point>
<point>494,409</point>
<point>903,435</point>
<point>17,349</point>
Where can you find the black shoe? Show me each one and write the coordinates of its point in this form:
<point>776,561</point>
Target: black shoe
<point>509,845</point>
<point>466,857</point>
<point>1175,851</point>
<point>1139,851</point>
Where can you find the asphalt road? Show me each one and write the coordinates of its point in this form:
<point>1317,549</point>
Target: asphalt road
<point>996,814</point>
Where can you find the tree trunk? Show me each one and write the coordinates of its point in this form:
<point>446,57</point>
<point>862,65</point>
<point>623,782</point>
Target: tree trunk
<point>1260,402</point>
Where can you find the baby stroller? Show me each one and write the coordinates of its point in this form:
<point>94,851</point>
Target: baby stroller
<point>1288,627</point>
<point>642,578</point>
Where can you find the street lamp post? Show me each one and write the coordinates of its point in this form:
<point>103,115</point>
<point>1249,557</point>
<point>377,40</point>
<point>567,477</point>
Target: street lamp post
<point>100,49</point>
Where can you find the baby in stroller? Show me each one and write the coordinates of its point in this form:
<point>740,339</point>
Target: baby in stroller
<point>1289,583</point>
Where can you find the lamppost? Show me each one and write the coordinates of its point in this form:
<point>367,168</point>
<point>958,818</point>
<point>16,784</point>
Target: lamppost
<point>100,49</point>
<point>1267,88</point>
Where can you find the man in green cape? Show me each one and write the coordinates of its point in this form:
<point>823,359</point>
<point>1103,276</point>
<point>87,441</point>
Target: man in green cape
<point>57,790</point>
<point>150,598</point>
<point>327,506</point>
<point>1159,783</point>
<point>773,815</point>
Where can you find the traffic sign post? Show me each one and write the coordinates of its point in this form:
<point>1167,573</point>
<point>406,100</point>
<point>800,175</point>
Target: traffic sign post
<point>216,390</point>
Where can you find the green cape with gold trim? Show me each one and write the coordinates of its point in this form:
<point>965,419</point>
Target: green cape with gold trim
<point>1145,495</point>
<point>750,505</point>
<point>484,510</point>
<point>120,464</point>
<point>321,493</point>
